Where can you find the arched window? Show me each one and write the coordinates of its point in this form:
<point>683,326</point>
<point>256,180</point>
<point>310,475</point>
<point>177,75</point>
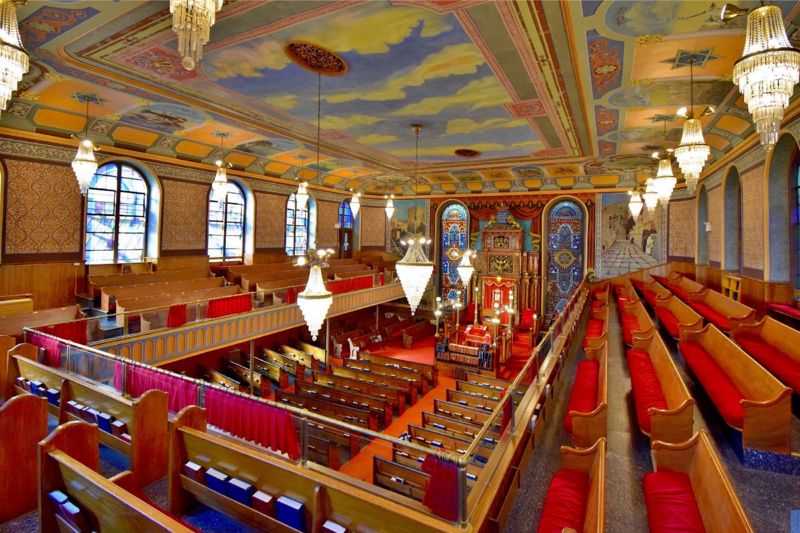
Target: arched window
<point>116,215</point>
<point>733,221</point>
<point>454,232</point>
<point>345,215</point>
<point>300,228</point>
<point>702,233</point>
<point>565,226</point>
<point>226,224</point>
<point>781,182</point>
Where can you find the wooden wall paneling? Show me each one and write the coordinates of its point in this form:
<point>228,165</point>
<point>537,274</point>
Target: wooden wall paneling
<point>52,284</point>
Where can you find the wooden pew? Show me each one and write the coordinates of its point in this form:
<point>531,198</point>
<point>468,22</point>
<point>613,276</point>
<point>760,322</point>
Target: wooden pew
<point>96,283</point>
<point>23,423</point>
<point>673,424</point>
<point>127,309</point>
<point>595,339</point>
<point>399,478</point>
<point>302,357</point>
<point>408,387</point>
<point>455,426</point>
<point>766,422</point>
<point>324,497</point>
<point>413,459</point>
<point>234,273</point>
<point>719,506</point>
<point>273,371</point>
<point>394,330</point>
<point>69,460</point>
<point>294,366</point>
<point>458,411</point>
<point>396,397</point>
<point>418,331</point>
<point>676,316</point>
<point>685,284</point>
<point>428,371</point>
<point>277,288</point>
<point>441,439</point>
<point>314,351</point>
<point>15,305</point>
<point>774,345</point>
<point>653,290</point>
<point>242,375</point>
<point>411,376</point>
<point>357,416</point>
<point>592,461</point>
<point>111,294</point>
<point>145,417</point>
<point>478,390</point>
<point>720,310</point>
<point>635,321</point>
<point>588,427</point>
<point>13,325</point>
<point>218,378</point>
<point>379,406</point>
<point>470,400</point>
<point>355,273</point>
<point>287,278</point>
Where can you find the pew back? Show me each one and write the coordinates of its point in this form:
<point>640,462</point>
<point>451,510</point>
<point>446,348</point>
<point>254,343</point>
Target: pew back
<point>592,461</point>
<point>127,292</point>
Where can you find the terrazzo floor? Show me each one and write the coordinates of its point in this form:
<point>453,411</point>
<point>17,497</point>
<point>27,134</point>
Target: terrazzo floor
<point>768,497</point>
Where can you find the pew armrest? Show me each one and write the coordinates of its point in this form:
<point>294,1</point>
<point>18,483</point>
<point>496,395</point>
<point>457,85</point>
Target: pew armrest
<point>767,424</point>
<point>739,327</point>
<point>672,425</point>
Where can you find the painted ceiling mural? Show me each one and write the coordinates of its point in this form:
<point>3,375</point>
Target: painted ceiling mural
<point>543,96</point>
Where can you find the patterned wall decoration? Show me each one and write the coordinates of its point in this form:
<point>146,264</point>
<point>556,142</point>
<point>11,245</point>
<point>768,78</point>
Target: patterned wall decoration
<point>270,220</point>
<point>565,238</point>
<point>410,218</point>
<point>628,244</point>
<point>43,209</point>
<point>185,213</point>
<point>753,220</point>
<point>454,231</point>
<point>715,218</point>
<point>681,229</point>
<point>327,216</point>
<point>373,226</point>
<point>47,23</point>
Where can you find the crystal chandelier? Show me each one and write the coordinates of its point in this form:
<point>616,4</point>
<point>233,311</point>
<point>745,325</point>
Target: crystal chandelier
<point>85,165</point>
<point>220,183</point>
<point>635,204</point>
<point>665,180</point>
<point>414,269</point>
<point>693,151</point>
<point>13,58</point>
<point>465,269</point>
<point>192,21</point>
<point>650,196</point>
<point>767,71</point>
<point>301,196</point>
<point>389,206</point>
<point>315,300</point>
<point>355,204</point>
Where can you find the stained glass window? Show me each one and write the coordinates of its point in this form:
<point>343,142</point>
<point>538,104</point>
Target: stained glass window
<point>345,215</point>
<point>795,236</point>
<point>226,224</point>
<point>116,215</point>
<point>299,226</point>
<point>565,226</point>
<point>454,231</point>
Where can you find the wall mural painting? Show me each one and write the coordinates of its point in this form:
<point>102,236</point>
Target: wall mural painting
<point>409,219</point>
<point>565,238</point>
<point>454,234</point>
<point>628,244</point>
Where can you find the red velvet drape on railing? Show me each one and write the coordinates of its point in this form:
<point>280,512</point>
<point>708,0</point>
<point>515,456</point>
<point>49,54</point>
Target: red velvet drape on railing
<point>441,496</point>
<point>52,348</point>
<point>140,380</point>
<point>252,420</point>
<point>69,331</point>
<point>119,377</point>
<point>231,305</point>
<point>349,284</point>
<point>177,316</point>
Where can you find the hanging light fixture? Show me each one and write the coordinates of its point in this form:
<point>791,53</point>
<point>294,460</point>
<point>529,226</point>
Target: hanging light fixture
<point>85,165</point>
<point>220,184</point>
<point>635,204</point>
<point>355,204</point>
<point>665,179</point>
<point>13,58</point>
<point>414,269</point>
<point>389,206</point>
<point>650,196</point>
<point>465,269</point>
<point>768,69</point>
<point>192,21</point>
<point>693,151</point>
<point>315,300</point>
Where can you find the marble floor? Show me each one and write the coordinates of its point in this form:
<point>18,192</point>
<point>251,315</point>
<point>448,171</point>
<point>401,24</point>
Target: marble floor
<point>623,257</point>
<point>768,497</point>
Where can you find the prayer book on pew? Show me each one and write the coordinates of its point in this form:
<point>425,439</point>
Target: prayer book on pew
<point>54,396</point>
<point>263,503</point>
<point>438,426</point>
<point>91,415</point>
<point>34,386</point>
<point>104,421</point>
<point>126,437</point>
<point>216,480</point>
<point>22,382</point>
<point>239,490</point>
<point>291,512</point>
<point>58,497</point>
<point>332,527</point>
<point>471,476</point>
<point>118,428</point>
<point>194,471</point>
<point>74,408</point>
<point>72,514</point>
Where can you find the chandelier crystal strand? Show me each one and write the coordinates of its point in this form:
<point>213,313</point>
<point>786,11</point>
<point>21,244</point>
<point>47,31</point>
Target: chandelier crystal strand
<point>465,269</point>
<point>314,301</point>
<point>13,58</point>
<point>85,165</point>
<point>389,206</point>
<point>665,180</point>
<point>767,72</point>
<point>355,204</point>
<point>650,196</point>
<point>220,183</point>
<point>192,21</point>
<point>693,151</point>
<point>635,204</point>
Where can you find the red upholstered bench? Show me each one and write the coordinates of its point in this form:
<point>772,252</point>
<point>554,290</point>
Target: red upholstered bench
<point>597,304</point>
<point>776,361</point>
<point>669,321</point>
<point>583,397</point>
<point>711,315</point>
<point>671,504</point>
<point>629,324</point>
<point>788,310</point>
<point>646,387</point>
<point>719,387</point>
<point>565,503</point>
<point>594,330</point>
<point>638,284</point>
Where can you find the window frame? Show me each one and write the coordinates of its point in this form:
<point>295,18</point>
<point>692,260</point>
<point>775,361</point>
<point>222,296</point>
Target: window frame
<point>345,214</point>
<point>225,224</point>
<point>291,203</point>
<point>118,192</point>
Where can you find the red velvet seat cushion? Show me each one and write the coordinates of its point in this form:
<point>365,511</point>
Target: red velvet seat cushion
<point>669,321</point>
<point>711,315</point>
<point>629,325</point>
<point>565,503</point>
<point>680,292</point>
<point>598,291</point>
<point>593,330</point>
<point>790,310</point>
<point>775,360</point>
<point>650,297</point>
<point>583,397</point>
<point>726,397</point>
<point>646,387</point>
<point>597,304</point>
<point>671,505</point>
